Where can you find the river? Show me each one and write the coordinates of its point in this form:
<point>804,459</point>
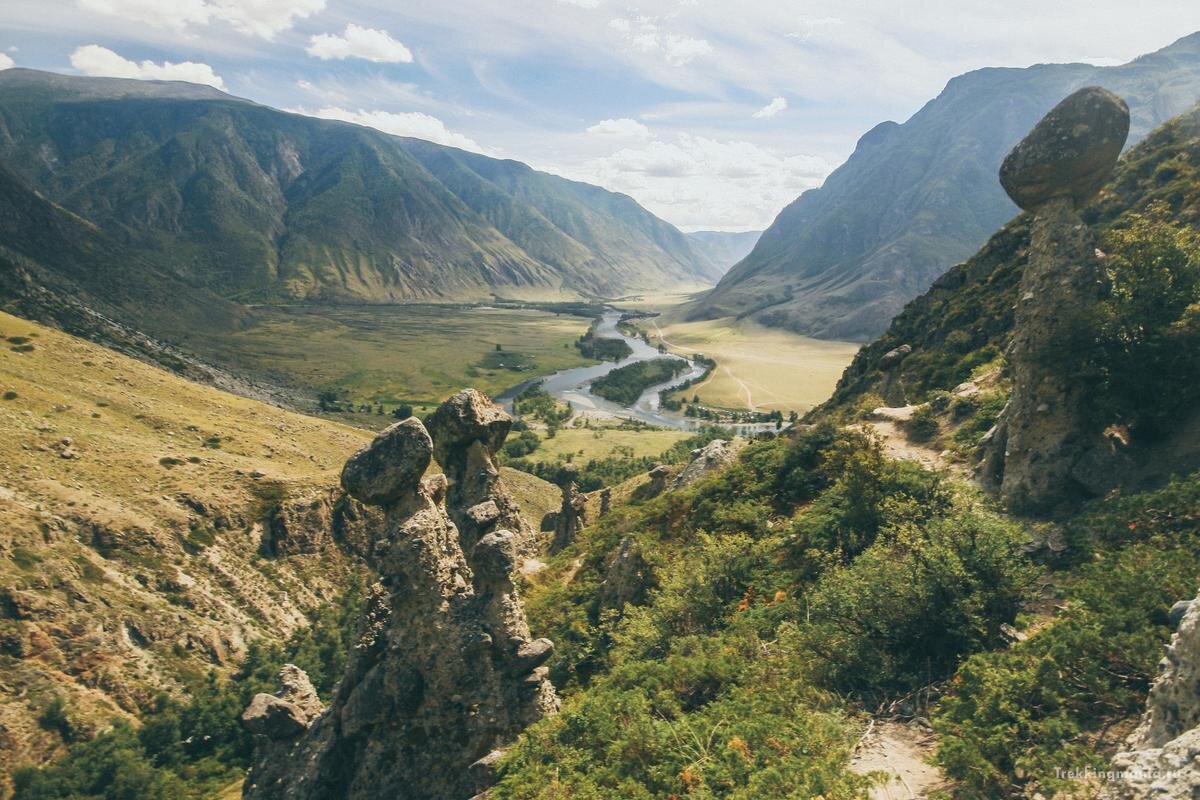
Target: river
<point>573,386</point>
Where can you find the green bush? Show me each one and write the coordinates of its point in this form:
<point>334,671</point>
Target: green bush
<point>923,425</point>
<point>1015,716</point>
<point>1148,327</point>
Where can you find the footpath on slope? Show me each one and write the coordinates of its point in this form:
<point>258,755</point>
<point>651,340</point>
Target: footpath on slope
<point>901,752</point>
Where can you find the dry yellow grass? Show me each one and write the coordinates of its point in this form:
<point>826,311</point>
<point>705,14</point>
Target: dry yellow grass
<point>104,462</point>
<point>758,368</point>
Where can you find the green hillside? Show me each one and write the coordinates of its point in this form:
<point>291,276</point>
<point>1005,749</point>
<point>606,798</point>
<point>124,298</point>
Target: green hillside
<point>257,204</point>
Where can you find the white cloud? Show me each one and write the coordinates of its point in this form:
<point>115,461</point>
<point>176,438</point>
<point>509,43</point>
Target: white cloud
<point>412,123</point>
<point>6,62</point>
<point>92,59</point>
<point>371,44</point>
<point>701,181</point>
<point>266,18</point>
<point>771,109</point>
<point>176,14</point>
<point>262,18</point>
<point>581,3</point>
<point>624,127</point>
<point>644,35</point>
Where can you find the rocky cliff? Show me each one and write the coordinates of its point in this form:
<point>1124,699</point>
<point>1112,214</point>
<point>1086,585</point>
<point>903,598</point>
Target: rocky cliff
<point>445,673</point>
<point>1159,760</point>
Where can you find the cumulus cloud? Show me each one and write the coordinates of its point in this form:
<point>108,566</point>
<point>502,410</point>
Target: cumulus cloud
<point>624,127</point>
<point>771,109</point>
<point>699,181</point>
<point>581,3</point>
<point>6,62</point>
<point>92,59</point>
<point>411,123</point>
<point>176,15</point>
<point>262,18</point>
<point>371,44</point>
<point>644,35</point>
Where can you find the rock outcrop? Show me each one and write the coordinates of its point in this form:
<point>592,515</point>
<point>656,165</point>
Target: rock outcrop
<point>467,432</point>
<point>1043,452</point>
<point>710,458</point>
<point>445,672</point>
<point>1160,757</point>
<point>572,515</point>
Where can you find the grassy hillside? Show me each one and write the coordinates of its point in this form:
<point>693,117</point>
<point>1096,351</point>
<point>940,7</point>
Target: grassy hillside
<point>133,505</point>
<point>915,198</point>
<point>152,530</point>
<point>257,204</point>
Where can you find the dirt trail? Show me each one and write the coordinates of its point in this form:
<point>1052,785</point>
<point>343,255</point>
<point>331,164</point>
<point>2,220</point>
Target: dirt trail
<point>900,751</point>
<point>897,445</point>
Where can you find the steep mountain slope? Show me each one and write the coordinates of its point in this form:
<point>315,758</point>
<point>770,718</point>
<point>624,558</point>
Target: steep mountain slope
<point>255,203</point>
<point>963,323</point>
<point>51,259</point>
<point>915,198</point>
<point>724,248</point>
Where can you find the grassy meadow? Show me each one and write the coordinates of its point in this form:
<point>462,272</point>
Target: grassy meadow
<point>758,368</point>
<point>399,354</point>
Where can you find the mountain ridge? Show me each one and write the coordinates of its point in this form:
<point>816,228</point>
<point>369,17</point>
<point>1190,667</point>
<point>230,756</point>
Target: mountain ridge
<point>916,197</point>
<point>259,204</point>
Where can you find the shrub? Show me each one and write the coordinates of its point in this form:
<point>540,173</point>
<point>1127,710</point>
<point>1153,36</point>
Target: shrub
<point>923,425</point>
<point>1147,334</point>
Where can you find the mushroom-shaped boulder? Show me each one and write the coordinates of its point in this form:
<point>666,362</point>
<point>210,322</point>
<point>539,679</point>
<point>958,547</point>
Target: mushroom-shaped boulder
<point>1070,152</point>
<point>466,417</point>
<point>391,466</point>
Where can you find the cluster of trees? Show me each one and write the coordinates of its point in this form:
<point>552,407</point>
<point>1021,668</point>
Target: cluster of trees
<point>625,385</point>
<point>596,473</point>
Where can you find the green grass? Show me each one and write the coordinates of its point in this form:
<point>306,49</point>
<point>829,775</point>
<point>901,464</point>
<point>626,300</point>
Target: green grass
<point>399,354</point>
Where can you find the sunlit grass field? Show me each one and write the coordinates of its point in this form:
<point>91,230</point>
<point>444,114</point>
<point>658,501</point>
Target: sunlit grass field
<point>758,368</point>
<point>399,354</point>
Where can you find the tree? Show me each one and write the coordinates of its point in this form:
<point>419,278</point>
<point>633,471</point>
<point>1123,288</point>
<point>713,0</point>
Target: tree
<point>403,411</point>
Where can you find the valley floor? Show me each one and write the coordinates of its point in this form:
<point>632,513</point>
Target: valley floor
<point>758,368</point>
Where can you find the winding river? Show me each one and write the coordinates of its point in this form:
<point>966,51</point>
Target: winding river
<point>573,386</point>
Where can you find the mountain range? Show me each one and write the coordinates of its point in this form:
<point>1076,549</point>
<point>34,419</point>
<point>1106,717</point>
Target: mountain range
<point>253,204</point>
<point>916,198</point>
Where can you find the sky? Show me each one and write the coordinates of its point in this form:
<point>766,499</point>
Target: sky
<point>714,114</point>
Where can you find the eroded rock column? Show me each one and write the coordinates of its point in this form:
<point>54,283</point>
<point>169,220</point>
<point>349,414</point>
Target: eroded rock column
<point>445,673</point>
<point>1044,450</point>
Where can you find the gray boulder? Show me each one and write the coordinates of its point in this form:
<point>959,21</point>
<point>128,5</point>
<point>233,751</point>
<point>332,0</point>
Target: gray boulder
<point>391,466</point>
<point>1070,152</point>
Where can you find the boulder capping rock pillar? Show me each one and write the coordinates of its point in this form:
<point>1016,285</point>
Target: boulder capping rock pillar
<point>1043,451</point>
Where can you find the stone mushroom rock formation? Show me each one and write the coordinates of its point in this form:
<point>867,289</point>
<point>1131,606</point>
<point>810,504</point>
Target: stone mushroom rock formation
<point>445,672</point>
<point>468,430</point>
<point>1159,759</point>
<point>572,515</point>
<point>1043,452</point>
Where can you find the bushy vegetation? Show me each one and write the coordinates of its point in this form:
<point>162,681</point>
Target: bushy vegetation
<point>625,385</point>
<point>1147,328</point>
<point>190,749</point>
<point>1016,716</point>
<point>812,569</point>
